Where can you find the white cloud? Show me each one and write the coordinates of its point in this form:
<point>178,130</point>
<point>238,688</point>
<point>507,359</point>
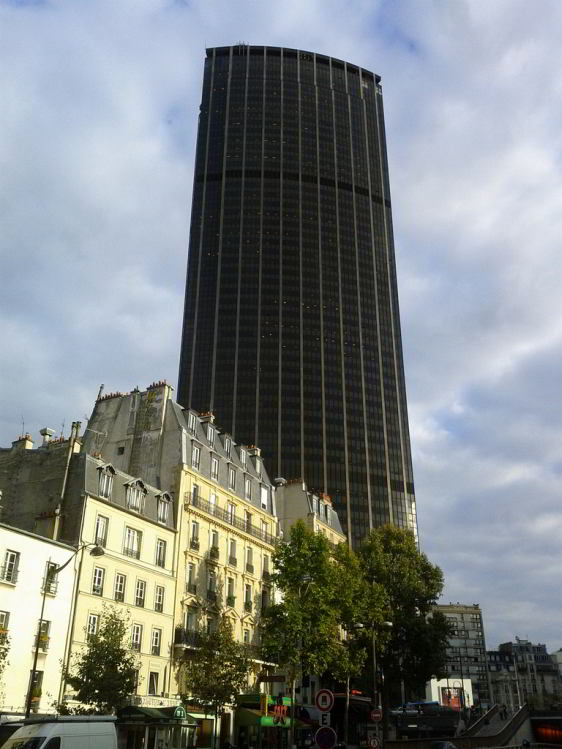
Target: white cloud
<point>96,154</point>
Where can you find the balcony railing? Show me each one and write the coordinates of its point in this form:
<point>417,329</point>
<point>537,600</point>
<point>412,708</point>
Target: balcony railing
<point>44,642</point>
<point>194,544</point>
<point>191,588</point>
<point>135,646</point>
<point>250,567</point>
<point>212,596</point>
<point>130,552</point>
<point>247,605</point>
<point>9,574</point>
<point>227,517</point>
<point>187,637</point>
<point>49,585</point>
<point>3,636</point>
<point>230,600</point>
<point>266,575</point>
<point>232,561</point>
<point>214,552</point>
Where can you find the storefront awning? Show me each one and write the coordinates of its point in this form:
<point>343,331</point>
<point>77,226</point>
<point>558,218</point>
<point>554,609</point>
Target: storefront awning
<point>164,715</point>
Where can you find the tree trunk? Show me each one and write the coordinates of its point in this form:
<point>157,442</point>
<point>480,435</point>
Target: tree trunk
<point>292,727</point>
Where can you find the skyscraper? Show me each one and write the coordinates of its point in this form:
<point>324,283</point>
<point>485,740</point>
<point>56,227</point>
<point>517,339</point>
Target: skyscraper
<point>291,328</point>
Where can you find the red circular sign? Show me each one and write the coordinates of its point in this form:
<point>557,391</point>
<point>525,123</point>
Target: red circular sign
<point>325,737</point>
<point>324,700</point>
<point>376,715</point>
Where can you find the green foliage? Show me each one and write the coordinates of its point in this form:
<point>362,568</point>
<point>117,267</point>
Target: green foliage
<point>4,650</point>
<point>104,674</point>
<point>216,672</point>
<point>414,648</point>
<point>304,629</point>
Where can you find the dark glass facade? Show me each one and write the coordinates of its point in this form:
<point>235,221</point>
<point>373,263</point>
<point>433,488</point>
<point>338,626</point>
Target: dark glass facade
<point>291,328</point>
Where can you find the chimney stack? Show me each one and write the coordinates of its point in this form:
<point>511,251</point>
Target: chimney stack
<point>46,433</point>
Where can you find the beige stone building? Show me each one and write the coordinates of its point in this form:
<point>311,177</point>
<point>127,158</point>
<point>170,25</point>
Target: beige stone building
<point>294,502</point>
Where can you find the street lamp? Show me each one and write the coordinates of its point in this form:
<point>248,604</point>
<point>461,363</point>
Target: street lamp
<point>96,551</point>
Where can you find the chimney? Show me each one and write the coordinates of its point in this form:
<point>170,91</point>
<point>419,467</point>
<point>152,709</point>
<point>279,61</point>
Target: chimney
<point>46,433</point>
<point>23,443</point>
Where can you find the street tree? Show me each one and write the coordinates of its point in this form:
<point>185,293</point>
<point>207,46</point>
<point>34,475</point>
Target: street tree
<point>4,650</point>
<point>302,632</point>
<point>104,674</point>
<point>216,672</point>
<point>411,648</point>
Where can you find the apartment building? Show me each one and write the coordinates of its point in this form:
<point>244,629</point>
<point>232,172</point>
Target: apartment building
<point>295,502</point>
<point>536,677</point>
<point>34,617</point>
<point>466,652</point>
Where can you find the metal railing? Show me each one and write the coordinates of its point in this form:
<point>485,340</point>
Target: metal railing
<point>191,588</point>
<point>9,574</point>
<point>130,552</point>
<point>187,637</point>
<point>228,517</point>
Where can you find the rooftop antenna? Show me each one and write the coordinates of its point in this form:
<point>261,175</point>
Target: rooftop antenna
<point>62,428</point>
<point>22,425</point>
<point>100,391</point>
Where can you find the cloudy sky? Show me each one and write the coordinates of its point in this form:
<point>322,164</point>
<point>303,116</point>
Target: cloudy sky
<point>99,103</point>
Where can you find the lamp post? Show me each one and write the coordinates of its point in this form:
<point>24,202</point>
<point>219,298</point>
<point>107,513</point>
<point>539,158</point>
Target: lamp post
<point>96,551</point>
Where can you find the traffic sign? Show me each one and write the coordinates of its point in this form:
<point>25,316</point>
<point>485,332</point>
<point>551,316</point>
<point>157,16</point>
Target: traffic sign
<point>325,737</point>
<point>376,715</point>
<point>374,743</point>
<point>324,700</point>
<point>324,719</point>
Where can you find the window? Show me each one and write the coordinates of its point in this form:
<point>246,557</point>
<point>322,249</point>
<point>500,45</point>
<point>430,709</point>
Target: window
<point>258,466</point>
<point>97,582</point>
<point>163,504</point>
<point>4,621</point>
<point>228,446</point>
<point>249,559</point>
<point>231,478</point>
<point>215,538</point>
<point>195,494</point>
<point>136,680</point>
<point>135,496</point>
<point>243,457</point>
<point>105,482</point>
<point>92,626</point>
<point>246,636</point>
<point>211,625</point>
<point>50,582</point>
<point>264,529</point>
<point>212,581</point>
<point>247,488</point>
<point>191,584</point>
<point>211,435</point>
<point>191,620</point>
<point>248,521</point>
<point>191,423</point>
<point>156,640</point>
<point>102,524</point>
<point>266,564</point>
<point>136,637</point>
<point>195,456</point>
<point>153,683</point>
<point>214,468</point>
<point>230,591</point>
<point>232,552</point>
<point>9,572</point>
<point>160,553</point>
<point>248,597</point>
<point>231,513</point>
<point>213,504</point>
<point>140,592</point>
<point>194,542</point>
<point>132,544</point>
<point>44,630</point>
<point>264,497</point>
<point>119,587</point>
<point>159,598</point>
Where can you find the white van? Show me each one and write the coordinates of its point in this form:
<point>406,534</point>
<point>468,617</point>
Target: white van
<point>65,732</point>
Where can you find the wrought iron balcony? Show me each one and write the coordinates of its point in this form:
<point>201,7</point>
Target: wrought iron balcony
<point>194,544</point>
<point>250,567</point>
<point>214,552</point>
<point>231,600</point>
<point>128,551</point>
<point>9,574</point>
<point>191,500</point>
<point>191,588</point>
<point>247,606</point>
<point>232,561</point>
<point>187,638</point>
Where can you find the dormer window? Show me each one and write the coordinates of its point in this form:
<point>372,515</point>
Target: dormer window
<point>227,446</point>
<point>243,457</point>
<point>163,505</point>
<point>105,481</point>
<point>258,466</point>
<point>264,497</point>
<point>211,435</point>
<point>135,496</point>
<point>191,423</point>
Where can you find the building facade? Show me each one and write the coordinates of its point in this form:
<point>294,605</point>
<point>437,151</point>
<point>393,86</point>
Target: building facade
<point>24,590</point>
<point>291,326</point>
<point>537,679</point>
<point>294,502</point>
<point>466,652</point>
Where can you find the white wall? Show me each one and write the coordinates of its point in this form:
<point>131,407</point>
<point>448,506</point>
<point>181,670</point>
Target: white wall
<point>23,602</point>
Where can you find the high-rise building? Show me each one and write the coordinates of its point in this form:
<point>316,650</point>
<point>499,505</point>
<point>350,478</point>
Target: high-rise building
<point>291,328</point>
